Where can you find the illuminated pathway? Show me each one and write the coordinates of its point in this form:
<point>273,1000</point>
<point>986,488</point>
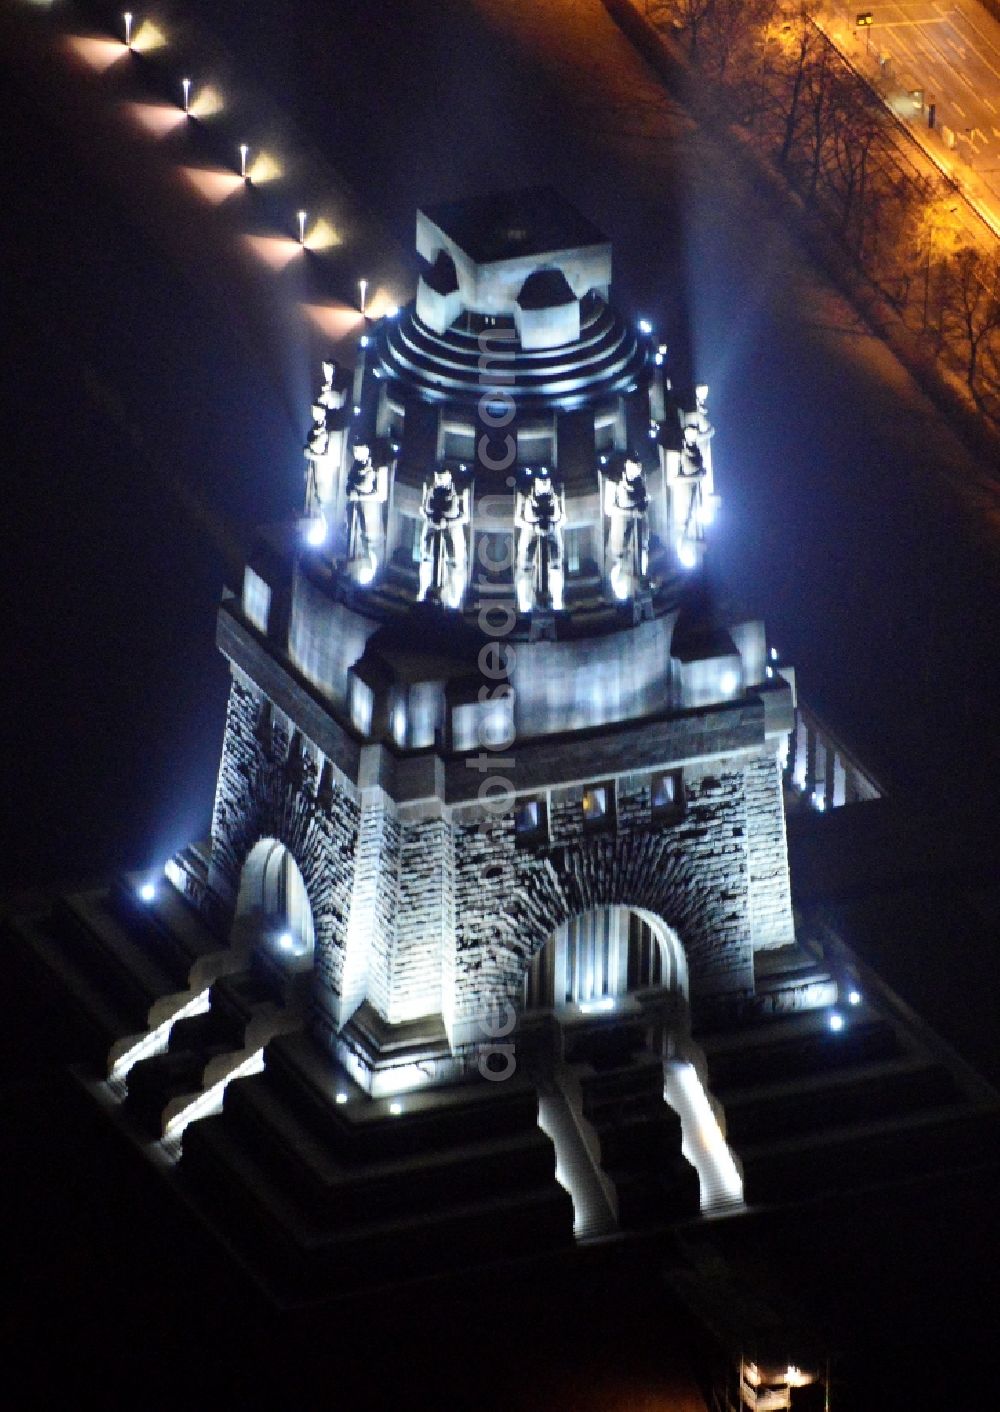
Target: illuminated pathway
<point>164,159</point>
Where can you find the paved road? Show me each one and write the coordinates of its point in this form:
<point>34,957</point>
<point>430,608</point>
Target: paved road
<point>950,52</point>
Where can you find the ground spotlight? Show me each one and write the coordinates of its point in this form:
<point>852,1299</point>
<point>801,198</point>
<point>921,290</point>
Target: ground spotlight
<point>835,1021</point>
<point>147,892</point>
<point>316,531</point>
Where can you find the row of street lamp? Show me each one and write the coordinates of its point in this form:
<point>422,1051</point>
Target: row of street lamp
<point>243,150</point>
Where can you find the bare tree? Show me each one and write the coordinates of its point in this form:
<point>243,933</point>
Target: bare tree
<point>690,17</point>
<point>895,201</point>
<point>734,33</point>
<point>972,308</point>
<point>855,147</point>
<point>805,48</point>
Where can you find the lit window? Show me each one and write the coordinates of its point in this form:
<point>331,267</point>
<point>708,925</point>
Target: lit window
<point>597,804</point>
<point>667,794</point>
<point>530,820</point>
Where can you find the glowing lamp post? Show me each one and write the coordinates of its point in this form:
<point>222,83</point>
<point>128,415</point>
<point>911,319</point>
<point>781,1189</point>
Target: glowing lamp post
<point>127,18</point>
<point>244,154</point>
<point>302,227</point>
<point>363,291</point>
<point>186,88</point>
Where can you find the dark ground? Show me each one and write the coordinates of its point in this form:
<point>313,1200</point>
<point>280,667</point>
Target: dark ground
<point>145,429</point>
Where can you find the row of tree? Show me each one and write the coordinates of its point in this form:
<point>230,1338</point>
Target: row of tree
<point>821,126</point>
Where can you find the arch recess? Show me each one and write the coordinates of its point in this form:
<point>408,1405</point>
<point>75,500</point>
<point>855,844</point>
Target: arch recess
<point>604,952</point>
<point>273,908</point>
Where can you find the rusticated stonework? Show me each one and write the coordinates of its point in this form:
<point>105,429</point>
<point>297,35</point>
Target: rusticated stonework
<point>426,908</point>
<point>267,790</point>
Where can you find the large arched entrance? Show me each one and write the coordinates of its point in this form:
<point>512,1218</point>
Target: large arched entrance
<point>601,954</point>
<point>272,907</point>
<point>600,972</point>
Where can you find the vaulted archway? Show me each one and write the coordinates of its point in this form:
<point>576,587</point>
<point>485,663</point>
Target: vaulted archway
<point>273,911</point>
<point>601,953</point>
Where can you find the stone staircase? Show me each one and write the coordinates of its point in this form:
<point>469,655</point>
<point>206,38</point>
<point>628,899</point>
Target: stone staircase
<point>319,1185</point>
<point>811,1109</point>
<point>616,1087</point>
<point>166,1092</point>
<point>173,1013</point>
<point>327,1186</point>
<point>314,1183</point>
<point>134,969</point>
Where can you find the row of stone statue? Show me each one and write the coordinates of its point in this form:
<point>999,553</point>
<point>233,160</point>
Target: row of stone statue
<point>539,518</point>
<point>539,523</point>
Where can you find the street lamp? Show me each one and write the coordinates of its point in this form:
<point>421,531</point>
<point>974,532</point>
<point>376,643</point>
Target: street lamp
<point>127,18</point>
<point>186,86</point>
<point>244,153</point>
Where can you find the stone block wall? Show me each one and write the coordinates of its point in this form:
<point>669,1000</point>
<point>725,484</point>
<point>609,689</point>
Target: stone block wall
<point>271,786</point>
<point>426,918</point>
<point>771,921</point>
<point>374,904</point>
<point>424,908</point>
<point>717,876</point>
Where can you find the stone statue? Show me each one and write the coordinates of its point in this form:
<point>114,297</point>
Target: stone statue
<point>705,428</point>
<point>367,490</point>
<point>692,476</point>
<point>626,505</point>
<point>316,450</point>
<point>539,515</point>
<point>328,396</point>
<point>324,446</point>
<point>443,551</point>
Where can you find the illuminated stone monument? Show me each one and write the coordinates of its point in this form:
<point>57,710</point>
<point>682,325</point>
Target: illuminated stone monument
<point>520,788</point>
<point>499,834</point>
<point>530,645</point>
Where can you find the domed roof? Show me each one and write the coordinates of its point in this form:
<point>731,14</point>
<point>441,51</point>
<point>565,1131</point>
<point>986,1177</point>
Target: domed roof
<point>608,358</point>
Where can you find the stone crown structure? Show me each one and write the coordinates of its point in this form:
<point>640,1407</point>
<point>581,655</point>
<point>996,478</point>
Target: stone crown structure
<point>459,780</point>
<point>491,946</point>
